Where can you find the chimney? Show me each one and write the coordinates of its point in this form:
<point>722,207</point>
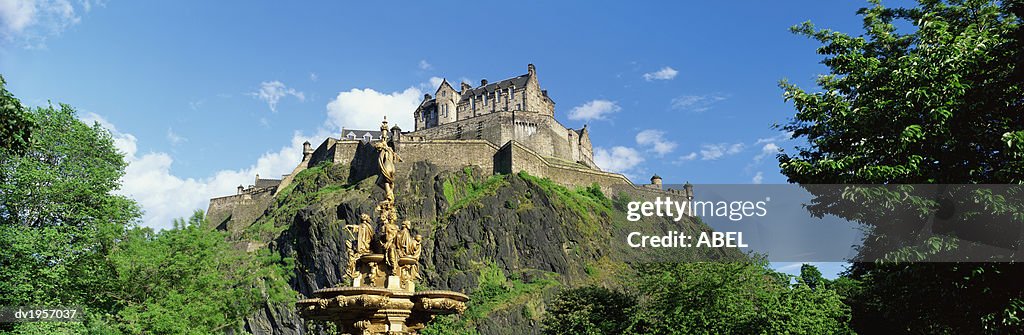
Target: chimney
<point>241,189</point>
<point>466,87</point>
<point>426,96</point>
<point>483,82</point>
<point>532,70</point>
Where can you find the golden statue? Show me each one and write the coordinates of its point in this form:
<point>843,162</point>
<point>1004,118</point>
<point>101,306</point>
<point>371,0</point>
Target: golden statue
<point>386,158</point>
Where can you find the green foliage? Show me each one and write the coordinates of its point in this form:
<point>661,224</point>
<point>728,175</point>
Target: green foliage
<point>58,216</point>
<point>308,187</point>
<point>494,291</point>
<point>463,189</point>
<point>188,280</point>
<point>16,123</point>
<point>69,241</point>
<point>588,203</point>
<point>940,104</point>
<point>589,310</point>
<point>701,298</point>
<point>732,298</point>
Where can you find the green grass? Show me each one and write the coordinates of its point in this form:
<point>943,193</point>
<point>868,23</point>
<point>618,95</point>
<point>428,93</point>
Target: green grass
<point>308,187</point>
<point>464,188</point>
<point>588,203</point>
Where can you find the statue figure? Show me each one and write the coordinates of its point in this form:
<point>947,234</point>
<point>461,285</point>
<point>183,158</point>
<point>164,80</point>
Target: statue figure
<point>389,245</point>
<point>350,268</point>
<point>386,158</point>
<point>364,234</point>
<point>416,247</point>
<point>404,238</point>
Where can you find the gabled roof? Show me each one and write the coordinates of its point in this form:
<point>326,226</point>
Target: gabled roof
<point>444,82</point>
<point>519,81</point>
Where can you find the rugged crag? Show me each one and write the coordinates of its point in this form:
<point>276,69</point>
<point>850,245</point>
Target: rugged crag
<point>508,240</point>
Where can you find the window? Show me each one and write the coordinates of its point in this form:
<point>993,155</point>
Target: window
<point>367,137</point>
<point>484,96</point>
<point>511,92</point>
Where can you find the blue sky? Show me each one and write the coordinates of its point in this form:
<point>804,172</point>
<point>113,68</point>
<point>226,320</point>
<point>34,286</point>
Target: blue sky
<point>203,95</point>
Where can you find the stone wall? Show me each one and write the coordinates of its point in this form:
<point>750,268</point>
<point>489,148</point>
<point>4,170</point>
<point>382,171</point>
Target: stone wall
<point>515,157</point>
<point>239,208</point>
<point>542,133</point>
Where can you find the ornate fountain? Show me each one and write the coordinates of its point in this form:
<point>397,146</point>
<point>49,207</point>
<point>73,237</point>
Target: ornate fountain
<point>383,264</point>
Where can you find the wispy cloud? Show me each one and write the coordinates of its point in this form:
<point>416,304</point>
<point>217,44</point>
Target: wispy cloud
<point>31,22</point>
<point>665,73</point>
<point>424,65</point>
<point>313,76</point>
<point>272,92</point>
<point>174,138</point>
<point>710,152</point>
<point>696,103</point>
<point>655,141</point>
<point>758,178</point>
<point>594,110</point>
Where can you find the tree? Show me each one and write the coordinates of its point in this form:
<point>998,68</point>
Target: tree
<point>732,298</point>
<point>940,104</point>
<point>68,240</point>
<point>16,123</point>
<point>589,310</point>
<point>188,280</point>
<point>58,215</point>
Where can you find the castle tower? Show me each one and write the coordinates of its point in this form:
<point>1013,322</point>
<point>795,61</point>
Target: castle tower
<point>656,181</point>
<point>447,99</point>
<point>307,151</point>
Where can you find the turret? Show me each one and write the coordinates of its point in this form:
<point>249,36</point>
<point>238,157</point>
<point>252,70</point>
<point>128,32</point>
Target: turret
<point>656,181</point>
<point>307,151</point>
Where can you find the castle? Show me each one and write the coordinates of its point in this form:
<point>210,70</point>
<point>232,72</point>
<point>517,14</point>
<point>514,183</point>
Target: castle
<point>502,127</point>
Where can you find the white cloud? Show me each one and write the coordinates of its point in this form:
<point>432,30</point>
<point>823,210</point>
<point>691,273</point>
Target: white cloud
<point>782,136</point>
<point>655,141</point>
<point>688,157</point>
<point>768,149</point>
<point>163,196</point>
<point>424,65</point>
<point>365,108</point>
<point>313,76</point>
<point>758,178</point>
<point>31,22</point>
<point>710,152</point>
<point>665,73</point>
<point>272,92</point>
<point>594,110</point>
<point>695,103</point>
<point>174,138</point>
<point>617,159</point>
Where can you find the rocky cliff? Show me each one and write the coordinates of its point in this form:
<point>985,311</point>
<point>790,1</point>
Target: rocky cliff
<point>510,241</point>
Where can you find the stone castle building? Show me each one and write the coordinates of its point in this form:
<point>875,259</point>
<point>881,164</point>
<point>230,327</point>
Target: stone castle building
<point>503,127</point>
<point>511,109</point>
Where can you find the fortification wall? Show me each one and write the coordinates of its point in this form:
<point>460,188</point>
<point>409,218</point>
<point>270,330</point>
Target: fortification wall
<point>515,157</point>
<point>246,207</point>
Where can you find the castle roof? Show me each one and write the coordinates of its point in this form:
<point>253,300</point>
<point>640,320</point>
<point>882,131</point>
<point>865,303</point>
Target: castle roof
<point>519,81</point>
<point>359,134</point>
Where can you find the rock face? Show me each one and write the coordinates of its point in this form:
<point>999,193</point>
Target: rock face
<point>510,241</point>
